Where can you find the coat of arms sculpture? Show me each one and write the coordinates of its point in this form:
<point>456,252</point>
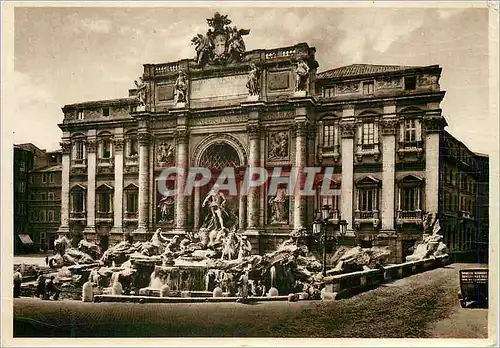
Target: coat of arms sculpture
<point>221,45</point>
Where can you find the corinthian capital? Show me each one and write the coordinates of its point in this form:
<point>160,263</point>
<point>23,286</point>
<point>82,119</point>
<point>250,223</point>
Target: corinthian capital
<point>347,129</point>
<point>66,146</point>
<point>118,144</point>
<point>388,126</point>
<point>91,145</point>
<point>144,138</point>
<point>181,135</point>
<point>434,124</point>
<point>254,129</point>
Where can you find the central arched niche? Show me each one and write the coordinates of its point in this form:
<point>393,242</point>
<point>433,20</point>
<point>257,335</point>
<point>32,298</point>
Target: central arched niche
<point>219,156</point>
<point>216,157</point>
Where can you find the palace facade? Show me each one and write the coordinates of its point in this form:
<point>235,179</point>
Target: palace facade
<point>380,127</point>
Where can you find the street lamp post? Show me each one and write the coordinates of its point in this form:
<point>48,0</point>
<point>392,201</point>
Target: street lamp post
<point>320,228</point>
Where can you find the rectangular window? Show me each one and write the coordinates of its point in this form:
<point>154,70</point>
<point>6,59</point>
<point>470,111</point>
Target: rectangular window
<point>44,178</point>
<point>43,197</point>
<point>368,134</point>
<point>31,179</point>
<point>367,200</point>
<point>368,87</point>
<point>32,215</point>
<point>22,186</point>
<point>104,202</point>
<point>133,147</point>
<point>80,115</point>
<point>22,166</point>
<point>330,201</point>
<point>50,216</point>
<point>77,201</point>
<point>410,131</point>
<point>51,178</point>
<point>105,111</point>
<point>32,196</point>
<point>42,216</point>
<point>132,202</point>
<point>106,148</point>
<point>410,83</point>
<point>410,199</point>
<point>51,196</point>
<point>328,136</point>
<point>328,91</point>
<point>79,150</point>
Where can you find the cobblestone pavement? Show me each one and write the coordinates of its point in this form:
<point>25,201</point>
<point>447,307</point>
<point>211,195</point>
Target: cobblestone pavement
<point>423,305</point>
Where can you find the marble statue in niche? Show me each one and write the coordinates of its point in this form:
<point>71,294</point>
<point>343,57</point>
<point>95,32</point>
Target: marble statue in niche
<point>166,206</point>
<point>180,88</point>
<point>253,81</point>
<point>302,72</point>
<point>278,207</point>
<point>278,146</point>
<point>142,91</point>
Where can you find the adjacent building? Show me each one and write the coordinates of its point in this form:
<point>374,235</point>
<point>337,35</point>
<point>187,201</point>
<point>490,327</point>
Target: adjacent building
<point>44,206</point>
<point>37,187</point>
<point>380,127</point>
<point>464,218</point>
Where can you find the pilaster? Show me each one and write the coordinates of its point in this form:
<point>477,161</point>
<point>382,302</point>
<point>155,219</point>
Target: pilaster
<point>118,144</point>
<point>182,162</point>
<point>389,125</point>
<point>91,146</point>
<point>65,163</point>
<point>347,130</point>
<point>253,206</point>
<point>144,142</point>
<point>434,125</point>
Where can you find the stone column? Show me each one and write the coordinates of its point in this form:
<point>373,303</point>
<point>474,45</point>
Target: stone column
<point>118,192</point>
<point>196,207</point>
<point>144,143</point>
<point>434,125</point>
<point>91,147</point>
<point>65,203</point>
<point>300,206</point>
<point>182,162</point>
<point>389,126</point>
<point>253,206</point>
<point>242,209</point>
<point>347,127</point>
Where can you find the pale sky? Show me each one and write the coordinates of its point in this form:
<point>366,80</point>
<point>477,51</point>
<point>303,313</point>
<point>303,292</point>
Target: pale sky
<point>70,55</point>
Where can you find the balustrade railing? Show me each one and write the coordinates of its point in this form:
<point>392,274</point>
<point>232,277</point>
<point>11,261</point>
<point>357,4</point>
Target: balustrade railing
<point>166,68</point>
<point>278,53</point>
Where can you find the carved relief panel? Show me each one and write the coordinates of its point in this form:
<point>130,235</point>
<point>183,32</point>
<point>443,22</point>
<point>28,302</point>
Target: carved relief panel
<point>165,152</point>
<point>278,146</point>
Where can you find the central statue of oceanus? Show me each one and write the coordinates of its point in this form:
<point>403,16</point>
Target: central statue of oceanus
<point>223,44</point>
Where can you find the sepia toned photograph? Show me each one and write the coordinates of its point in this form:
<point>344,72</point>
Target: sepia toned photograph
<point>249,171</point>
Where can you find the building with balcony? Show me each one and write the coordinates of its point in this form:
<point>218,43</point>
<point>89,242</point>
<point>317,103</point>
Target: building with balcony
<point>44,200</point>
<point>379,127</point>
